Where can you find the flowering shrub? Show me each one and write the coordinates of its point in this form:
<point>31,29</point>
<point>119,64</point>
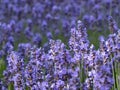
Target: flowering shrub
<point>32,56</point>
<point>79,66</point>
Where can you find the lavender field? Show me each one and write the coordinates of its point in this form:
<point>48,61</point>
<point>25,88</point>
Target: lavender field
<point>59,45</point>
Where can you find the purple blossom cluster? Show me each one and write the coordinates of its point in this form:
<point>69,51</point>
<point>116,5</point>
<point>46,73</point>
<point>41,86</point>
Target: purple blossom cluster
<point>77,67</point>
<point>24,19</point>
<point>35,61</point>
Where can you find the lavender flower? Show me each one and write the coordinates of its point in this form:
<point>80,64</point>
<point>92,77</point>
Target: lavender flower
<point>14,71</point>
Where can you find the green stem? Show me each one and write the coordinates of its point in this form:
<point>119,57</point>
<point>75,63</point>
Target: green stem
<point>114,73</point>
<point>80,74</point>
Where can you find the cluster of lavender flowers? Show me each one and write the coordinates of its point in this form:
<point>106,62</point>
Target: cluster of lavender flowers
<point>96,12</point>
<point>24,19</point>
<point>77,67</point>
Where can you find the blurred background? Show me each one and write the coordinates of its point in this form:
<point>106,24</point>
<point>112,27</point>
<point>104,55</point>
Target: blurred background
<point>37,21</point>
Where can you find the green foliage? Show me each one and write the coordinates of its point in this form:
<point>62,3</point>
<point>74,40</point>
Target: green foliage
<point>93,36</point>
<point>2,67</point>
<point>10,86</point>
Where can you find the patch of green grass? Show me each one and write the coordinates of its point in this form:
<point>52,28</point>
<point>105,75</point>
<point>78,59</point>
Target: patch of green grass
<point>20,39</point>
<point>2,67</point>
<point>62,38</point>
<point>44,40</point>
<point>93,36</point>
<point>10,86</point>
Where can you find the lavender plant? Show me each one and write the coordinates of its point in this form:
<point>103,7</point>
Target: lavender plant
<point>80,66</point>
<point>35,61</point>
<point>14,71</point>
